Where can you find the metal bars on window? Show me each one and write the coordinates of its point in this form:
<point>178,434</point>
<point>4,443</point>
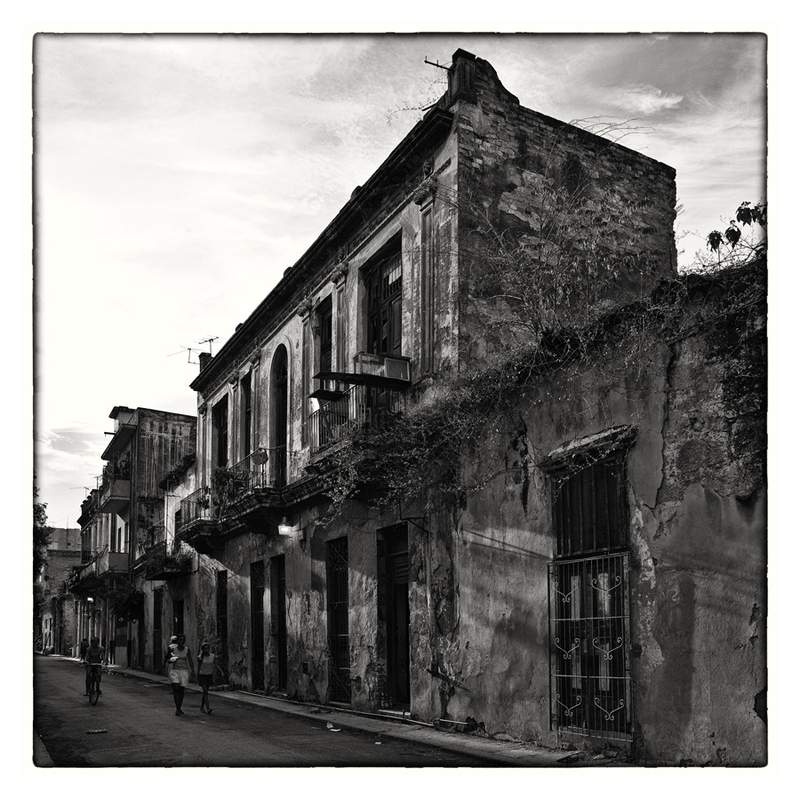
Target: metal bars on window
<point>590,646</point>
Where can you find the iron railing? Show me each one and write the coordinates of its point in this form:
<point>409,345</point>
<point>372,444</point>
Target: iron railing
<point>360,407</point>
<point>262,469</point>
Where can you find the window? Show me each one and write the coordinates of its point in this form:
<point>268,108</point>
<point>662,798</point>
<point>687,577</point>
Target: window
<point>325,327</point>
<point>384,284</point>
<point>247,414</point>
<point>589,606</point>
<point>589,509</point>
<point>220,425</point>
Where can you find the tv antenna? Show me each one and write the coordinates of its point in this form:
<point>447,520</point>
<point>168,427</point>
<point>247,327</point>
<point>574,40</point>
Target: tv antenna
<point>188,351</point>
<point>209,340</point>
<point>436,64</point>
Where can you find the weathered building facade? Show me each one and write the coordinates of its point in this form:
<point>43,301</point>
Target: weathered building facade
<point>57,622</point>
<point>483,457</point>
<point>121,522</point>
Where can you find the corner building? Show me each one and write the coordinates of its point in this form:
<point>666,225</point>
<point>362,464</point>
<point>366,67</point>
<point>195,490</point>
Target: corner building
<point>504,610</point>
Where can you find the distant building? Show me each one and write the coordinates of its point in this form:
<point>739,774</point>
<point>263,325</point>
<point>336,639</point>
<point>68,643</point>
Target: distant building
<point>121,521</point>
<point>57,620</point>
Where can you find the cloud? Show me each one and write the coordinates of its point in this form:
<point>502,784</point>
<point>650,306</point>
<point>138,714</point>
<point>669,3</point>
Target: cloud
<point>641,99</point>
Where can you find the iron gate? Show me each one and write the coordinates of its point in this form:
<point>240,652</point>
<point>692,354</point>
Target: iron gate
<point>590,646</point>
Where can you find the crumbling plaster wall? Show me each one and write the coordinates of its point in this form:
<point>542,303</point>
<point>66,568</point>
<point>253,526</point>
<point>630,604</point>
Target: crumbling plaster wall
<point>697,541</point>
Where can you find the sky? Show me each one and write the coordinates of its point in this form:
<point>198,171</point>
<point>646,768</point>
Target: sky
<point>176,177</point>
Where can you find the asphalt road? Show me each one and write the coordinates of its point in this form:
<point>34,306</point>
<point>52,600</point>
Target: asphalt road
<point>134,725</point>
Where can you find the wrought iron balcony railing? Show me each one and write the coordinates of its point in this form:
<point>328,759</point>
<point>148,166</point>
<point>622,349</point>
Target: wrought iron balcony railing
<point>360,407</point>
<point>262,469</point>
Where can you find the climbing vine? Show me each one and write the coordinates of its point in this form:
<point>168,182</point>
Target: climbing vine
<point>421,452</point>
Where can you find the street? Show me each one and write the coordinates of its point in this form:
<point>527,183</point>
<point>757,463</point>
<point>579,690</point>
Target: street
<point>134,725</point>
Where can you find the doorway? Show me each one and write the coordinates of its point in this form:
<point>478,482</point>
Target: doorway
<point>257,586</point>
<point>338,620</point>
<point>277,587</point>
<point>393,613</point>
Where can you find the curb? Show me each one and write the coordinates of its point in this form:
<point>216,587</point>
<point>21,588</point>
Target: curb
<point>504,753</point>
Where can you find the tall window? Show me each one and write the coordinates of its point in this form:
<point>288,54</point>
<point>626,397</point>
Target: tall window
<point>247,413</point>
<point>385,306</point>
<point>589,607</point>
<point>325,324</point>
<point>220,424</point>
<point>279,405</point>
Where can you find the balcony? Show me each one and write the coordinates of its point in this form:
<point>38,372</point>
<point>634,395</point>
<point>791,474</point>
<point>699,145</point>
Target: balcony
<point>108,562</point>
<point>362,406</point>
<point>248,494</point>
<point>115,492</point>
<point>162,564</point>
<point>100,571</point>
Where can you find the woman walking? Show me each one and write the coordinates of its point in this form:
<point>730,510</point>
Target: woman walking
<point>207,664</point>
<point>181,669</point>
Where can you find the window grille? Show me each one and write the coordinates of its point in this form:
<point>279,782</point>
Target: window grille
<point>590,653</point>
<point>589,605</point>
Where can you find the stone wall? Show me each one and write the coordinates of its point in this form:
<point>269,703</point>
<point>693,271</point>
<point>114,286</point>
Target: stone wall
<point>527,179</point>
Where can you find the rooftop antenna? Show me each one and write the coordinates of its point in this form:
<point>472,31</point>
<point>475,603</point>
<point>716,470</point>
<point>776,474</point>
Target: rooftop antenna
<point>187,350</point>
<point>435,64</point>
<point>209,340</point>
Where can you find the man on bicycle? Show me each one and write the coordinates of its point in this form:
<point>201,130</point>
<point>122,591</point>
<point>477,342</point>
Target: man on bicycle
<point>94,660</point>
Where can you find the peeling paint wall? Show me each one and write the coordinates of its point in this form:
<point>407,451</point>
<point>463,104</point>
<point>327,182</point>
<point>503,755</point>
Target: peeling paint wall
<point>697,538</point>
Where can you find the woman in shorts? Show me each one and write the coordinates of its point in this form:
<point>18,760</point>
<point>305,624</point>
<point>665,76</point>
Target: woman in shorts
<point>206,666</point>
<point>180,672</point>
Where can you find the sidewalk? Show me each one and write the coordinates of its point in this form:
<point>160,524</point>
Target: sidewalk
<point>504,753</point>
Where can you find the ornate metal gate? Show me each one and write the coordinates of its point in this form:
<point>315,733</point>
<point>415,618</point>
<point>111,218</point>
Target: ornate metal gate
<point>590,646</point>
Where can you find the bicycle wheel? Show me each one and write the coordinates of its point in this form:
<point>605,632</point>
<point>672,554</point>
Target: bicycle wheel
<point>94,690</point>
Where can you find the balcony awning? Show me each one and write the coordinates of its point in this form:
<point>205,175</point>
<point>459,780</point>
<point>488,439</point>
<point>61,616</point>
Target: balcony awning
<point>121,438</point>
<point>362,379</point>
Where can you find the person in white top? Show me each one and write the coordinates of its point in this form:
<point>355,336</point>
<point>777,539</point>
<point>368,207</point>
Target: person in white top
<point>207,667</point>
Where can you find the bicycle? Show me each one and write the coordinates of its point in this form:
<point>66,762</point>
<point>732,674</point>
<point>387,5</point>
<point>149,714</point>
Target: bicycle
<point>94,684</point>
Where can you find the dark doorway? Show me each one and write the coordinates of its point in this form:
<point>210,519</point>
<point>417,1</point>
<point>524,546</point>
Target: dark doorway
<point>338,620</point>
<point>393,612</point>
<point>280,401</point>
<point>158,641</point>
<point>222,618</point>
<point>177,617</point>
<point>257,586</point>
<point>277,585</point>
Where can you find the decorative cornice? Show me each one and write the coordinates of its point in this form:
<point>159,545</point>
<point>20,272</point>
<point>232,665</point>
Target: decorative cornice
<point>304,309</point>
<point>340,273</point>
